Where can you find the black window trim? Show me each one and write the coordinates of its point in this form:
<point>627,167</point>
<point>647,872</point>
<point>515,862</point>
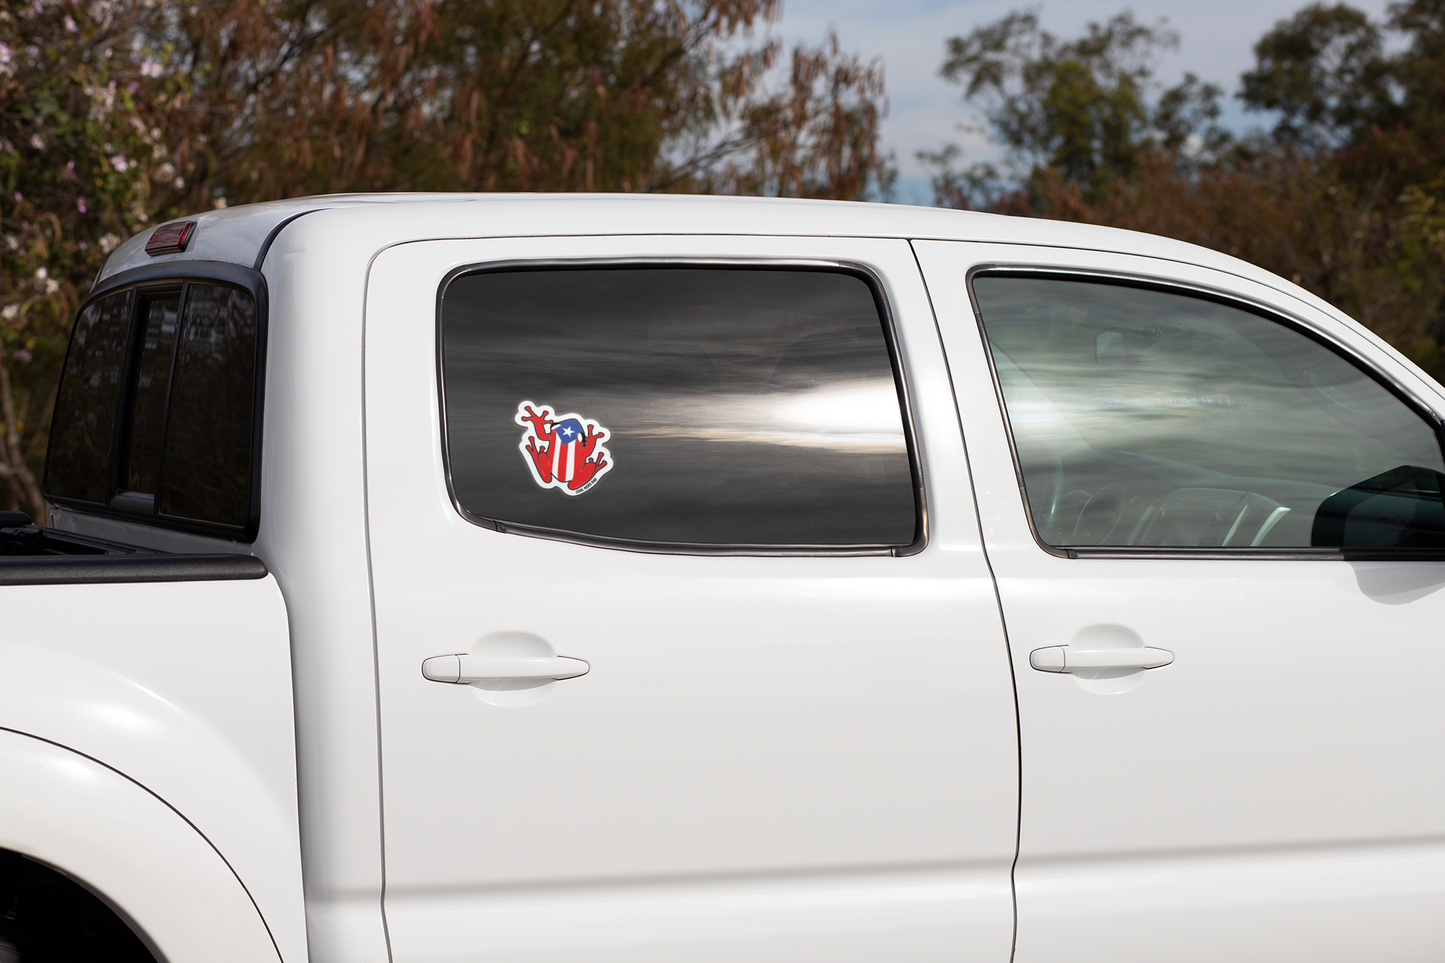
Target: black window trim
<point>1228,298</point>
<point>900,380</point>
<point>158,278</point>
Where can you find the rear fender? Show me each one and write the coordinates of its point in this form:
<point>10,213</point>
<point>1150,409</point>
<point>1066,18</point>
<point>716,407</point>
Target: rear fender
<point>130,848</point>
<point>185,688</point>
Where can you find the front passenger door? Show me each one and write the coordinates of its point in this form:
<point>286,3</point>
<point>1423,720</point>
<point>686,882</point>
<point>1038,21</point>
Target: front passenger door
<point>1217,528</point>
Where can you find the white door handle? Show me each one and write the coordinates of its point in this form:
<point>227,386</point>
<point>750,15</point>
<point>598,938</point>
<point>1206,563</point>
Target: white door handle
<point>465,669</point>
<point>1071,658</point>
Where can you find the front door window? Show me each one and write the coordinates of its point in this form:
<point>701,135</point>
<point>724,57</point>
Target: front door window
<point>1144,418</point>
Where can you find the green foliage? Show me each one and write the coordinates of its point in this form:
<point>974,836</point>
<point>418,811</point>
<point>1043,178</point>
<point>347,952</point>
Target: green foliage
<point>1371,123</point>
<point>1082,108</point>
<point>1322,70</point>
<point>1346,195</point>
<point>1420,69</point>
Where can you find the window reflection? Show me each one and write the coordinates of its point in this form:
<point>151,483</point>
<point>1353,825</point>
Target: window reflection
<point>82,434</point>
<point>745,407</point>
<point>1154,419</point>
<point>209,434</point>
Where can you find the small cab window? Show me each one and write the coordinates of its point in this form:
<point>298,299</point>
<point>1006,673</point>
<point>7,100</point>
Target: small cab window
<point>681,406</point>
<point>156,410</point>
<point>1149,418</point>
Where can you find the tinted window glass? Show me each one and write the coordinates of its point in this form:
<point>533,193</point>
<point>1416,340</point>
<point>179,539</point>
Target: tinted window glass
<point>83,432</point>
<point>153,374</point>
<point>1153,419</point>
<point>207,470</point>
<point>676,405</point>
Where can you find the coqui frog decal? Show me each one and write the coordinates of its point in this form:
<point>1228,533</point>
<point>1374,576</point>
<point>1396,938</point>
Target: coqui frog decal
<point>563,451</point>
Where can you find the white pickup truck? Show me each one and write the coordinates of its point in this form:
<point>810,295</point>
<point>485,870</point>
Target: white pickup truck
<point>582,578</point>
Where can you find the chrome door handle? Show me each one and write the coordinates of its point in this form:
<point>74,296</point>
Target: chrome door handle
<point>465,669</point>
<point>1071,658</point>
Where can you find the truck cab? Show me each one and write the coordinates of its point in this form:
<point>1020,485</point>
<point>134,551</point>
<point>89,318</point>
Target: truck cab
<point>430,578</point>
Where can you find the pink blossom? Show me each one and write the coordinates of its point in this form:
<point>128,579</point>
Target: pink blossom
<point>22,356</point>
<point>80,203</point>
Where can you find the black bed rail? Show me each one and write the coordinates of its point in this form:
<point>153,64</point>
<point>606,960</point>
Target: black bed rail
<point>31,555</point>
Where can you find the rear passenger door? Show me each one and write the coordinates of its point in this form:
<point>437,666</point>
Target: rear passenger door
<point>1215,517</point>
<point>694,515</point>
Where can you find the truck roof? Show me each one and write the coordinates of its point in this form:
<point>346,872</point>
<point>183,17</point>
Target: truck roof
<point>243,234</point>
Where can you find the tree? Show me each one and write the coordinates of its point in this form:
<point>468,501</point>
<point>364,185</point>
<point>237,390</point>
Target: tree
<point>1371,126</point>
<point>1346,195</point>
<point>1323,71</point>
<point>818,137</point>
<point>1082,109</point>
<point>76,159</point>
<point>118,113</point>
<point>469,95</point>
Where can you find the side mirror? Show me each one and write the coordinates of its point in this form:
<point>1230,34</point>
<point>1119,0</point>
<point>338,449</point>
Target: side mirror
<point>1401,508</point>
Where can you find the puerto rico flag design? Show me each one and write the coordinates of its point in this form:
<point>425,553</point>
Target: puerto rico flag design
<point>563,451</point>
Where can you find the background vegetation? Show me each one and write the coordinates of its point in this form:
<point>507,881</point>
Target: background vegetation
<point>116,114</point>
<point>1345,195</point>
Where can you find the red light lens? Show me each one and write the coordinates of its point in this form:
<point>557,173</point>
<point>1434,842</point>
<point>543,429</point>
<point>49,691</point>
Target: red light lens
<point>170,238</point>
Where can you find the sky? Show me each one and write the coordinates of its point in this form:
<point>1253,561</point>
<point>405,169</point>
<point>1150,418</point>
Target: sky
<point>1216,43</point>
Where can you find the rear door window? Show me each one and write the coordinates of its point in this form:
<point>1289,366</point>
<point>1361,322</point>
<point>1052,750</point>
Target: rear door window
<point>677,406</point>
